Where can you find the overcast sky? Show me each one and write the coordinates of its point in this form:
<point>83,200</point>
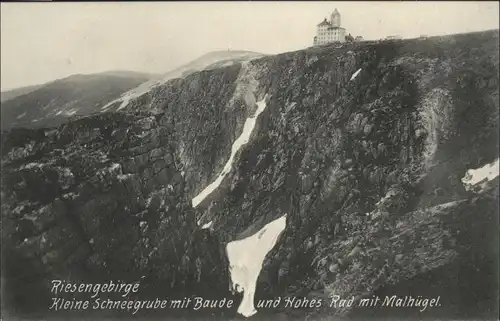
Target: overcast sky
<point>44,41</point>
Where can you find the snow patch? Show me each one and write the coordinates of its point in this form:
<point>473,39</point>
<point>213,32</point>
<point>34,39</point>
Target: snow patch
<point>479,178</point>
<point>238,143</point>
<point>355,74</point>
<point>70,196</point>
<point>123,177</point>
<point>65,112</point>
<point>448,205</point>
<point>21,115</point>
<point>32,165</point>
<point>390,193</point>
<point>205,226</point>
<point>246,257</point>
<point>115,166</point>
<point>70,112</point>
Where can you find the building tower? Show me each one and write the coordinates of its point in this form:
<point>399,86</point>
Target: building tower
<point>335,19</point>
<point>330,31</point>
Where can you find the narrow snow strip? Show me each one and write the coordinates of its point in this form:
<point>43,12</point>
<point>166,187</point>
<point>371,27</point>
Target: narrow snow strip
<point>125,98</point>
<point>238,143</point>
<point>124,103</point>
<point>355,74</point>
<point>483,175</point>
<point>70,112</point>
<point>205,226</point>
<point>246,258</point>
<point>105,108</point>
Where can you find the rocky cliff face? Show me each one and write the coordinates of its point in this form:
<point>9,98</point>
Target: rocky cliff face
<point>363,146</point>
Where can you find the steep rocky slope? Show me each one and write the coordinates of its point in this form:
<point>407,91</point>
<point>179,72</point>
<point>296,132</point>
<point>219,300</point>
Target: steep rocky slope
<point>53,103</point>
<point>211,60</point>
<point>364,147</point>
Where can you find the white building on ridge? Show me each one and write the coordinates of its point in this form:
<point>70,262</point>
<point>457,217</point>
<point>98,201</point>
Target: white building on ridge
<point>330,31</point>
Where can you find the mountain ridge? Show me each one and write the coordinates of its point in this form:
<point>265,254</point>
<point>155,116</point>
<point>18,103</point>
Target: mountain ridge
<point>15,92</point>
<point>52,103</point>
<point>11,93</point>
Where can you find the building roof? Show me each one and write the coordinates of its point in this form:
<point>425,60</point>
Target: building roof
<point>336,11</point>
<point>324,23</point>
